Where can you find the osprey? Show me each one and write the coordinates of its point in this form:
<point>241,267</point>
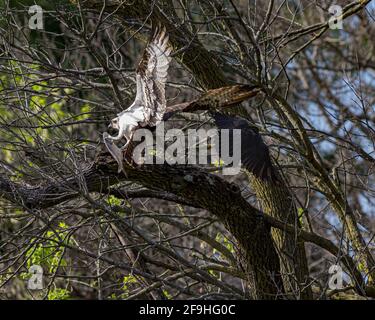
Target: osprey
<point>149,108</point>
<point>149,105</point>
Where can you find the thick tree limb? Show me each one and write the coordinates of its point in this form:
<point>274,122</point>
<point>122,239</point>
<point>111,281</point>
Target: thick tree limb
<point>223,199</point>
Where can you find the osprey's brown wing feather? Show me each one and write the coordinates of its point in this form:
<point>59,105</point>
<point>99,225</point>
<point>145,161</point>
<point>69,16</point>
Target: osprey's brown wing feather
<point>152,76</point>
<point>217,98</point>
<point>223,97</point>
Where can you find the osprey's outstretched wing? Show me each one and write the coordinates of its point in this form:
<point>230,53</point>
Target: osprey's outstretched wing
<point>223,97</point>
<point>152,76</point>
<point>215,99</point>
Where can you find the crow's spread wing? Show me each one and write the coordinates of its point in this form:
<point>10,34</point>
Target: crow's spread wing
<point>255,155</point>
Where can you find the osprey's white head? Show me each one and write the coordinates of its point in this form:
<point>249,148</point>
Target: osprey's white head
<point>115,123</point>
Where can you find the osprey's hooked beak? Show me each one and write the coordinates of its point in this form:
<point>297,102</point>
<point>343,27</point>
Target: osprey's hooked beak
<point>110,126</point>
